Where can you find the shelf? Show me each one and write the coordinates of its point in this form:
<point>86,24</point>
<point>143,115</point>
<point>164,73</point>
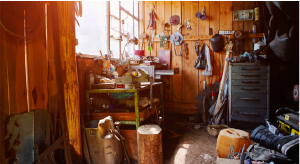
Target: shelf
<point>127,116</point>
<point>207,37</point>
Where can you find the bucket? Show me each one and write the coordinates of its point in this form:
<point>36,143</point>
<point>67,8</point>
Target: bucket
<point>99,144</point>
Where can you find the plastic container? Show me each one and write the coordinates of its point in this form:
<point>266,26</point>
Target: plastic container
<point>102,145</point>
<point>235,137</point>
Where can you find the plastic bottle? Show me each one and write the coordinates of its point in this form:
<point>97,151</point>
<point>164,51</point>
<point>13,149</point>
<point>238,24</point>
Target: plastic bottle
<point>235,137</point>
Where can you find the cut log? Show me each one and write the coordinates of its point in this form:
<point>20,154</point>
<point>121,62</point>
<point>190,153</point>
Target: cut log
<point>150,144</point>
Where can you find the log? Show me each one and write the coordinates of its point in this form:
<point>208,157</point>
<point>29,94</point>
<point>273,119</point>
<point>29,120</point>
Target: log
<point>149,139</point>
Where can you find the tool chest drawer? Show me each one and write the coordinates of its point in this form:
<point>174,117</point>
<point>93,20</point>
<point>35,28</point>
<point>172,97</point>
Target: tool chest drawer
<point>248,93</point>
<point>253,75</point>
<point>249,68</point>
<point>249,82</point>
<point>249,89</point>
<point>249,114</point>
<point>249,100</point>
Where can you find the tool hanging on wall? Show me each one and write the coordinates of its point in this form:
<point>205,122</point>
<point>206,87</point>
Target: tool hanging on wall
<point>151,24</point>
<point>174,20</point>
<point>164,37</point>
<point>238,42</point>
<point>179,27</point>
<point>203,16</point>
<point>187,24</point>
<point>185,49</point>
<point>176,39</point>
<point>197,47</point>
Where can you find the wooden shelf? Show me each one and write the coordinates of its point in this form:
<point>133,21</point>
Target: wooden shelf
<point>207,37</point>
<point>127,116</point>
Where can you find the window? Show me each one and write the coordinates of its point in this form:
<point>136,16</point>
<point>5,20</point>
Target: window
<point>91,33</point>
<point>121,30</point>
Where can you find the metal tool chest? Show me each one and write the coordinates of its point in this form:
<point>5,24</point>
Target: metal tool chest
<point>249,92</point>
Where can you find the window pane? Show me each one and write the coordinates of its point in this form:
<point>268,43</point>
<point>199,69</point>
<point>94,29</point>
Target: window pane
<point>127,5</point>
<point>136,9</point>
<point>114,8</point>
<point>91,34</point>
<point>136,32</point>
<point>114,47</point>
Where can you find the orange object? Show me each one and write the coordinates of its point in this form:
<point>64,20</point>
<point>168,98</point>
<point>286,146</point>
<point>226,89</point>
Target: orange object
<point>235,137</point>
<point>106,64</point>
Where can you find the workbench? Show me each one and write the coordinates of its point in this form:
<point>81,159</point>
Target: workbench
<point>131,118</point>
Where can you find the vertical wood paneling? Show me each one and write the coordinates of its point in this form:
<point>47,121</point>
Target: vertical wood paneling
<point>238,25</point>
<point>4,105</point>
<point>147,30</point>
<point>190,74</point>
<point>215,25</point>
<point>168,14</point>
<point>214,10</point>
<point>15,52</point>
<point>168,79</point>
<point>248,26</point>
<point>177,60</point>
<point>71,87</point>
<point>142,21</point>
<point>204,30</point>
<point>37,67</point>
<point>154,45</point>
<point>225,24</point>
<point>160,16</point>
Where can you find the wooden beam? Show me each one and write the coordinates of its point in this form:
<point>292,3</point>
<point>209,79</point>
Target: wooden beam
<point>177,61</point>
<point>67,63</point>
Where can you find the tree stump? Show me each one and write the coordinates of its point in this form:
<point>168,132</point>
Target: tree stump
<point>149,138</point>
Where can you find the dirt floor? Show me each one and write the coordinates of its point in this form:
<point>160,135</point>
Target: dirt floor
<point>194,146</point>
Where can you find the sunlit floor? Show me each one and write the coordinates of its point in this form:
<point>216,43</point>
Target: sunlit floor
<point>194,146</point>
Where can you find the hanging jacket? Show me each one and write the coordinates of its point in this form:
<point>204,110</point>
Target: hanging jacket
<point>208,69</point>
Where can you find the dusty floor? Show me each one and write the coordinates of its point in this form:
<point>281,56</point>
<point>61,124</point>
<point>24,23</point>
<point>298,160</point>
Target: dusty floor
<point>194,146</point>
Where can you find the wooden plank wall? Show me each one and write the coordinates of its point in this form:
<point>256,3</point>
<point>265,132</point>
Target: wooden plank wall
<point>27,69</point>
<point>186,85</point>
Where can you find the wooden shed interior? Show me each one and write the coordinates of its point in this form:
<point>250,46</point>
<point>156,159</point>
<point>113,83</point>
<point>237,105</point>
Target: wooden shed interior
<point>140,98</point>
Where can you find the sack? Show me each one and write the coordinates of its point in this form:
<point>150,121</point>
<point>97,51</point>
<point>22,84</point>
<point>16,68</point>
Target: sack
<point>257,152</point>
<point>200,63</point>
<point>217,43</point>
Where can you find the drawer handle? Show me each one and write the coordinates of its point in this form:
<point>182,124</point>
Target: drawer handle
<point>250,82</point>
<point>249,88</point>
<point>256,68</point>
<point>250,75</point>
<point>251,99</point>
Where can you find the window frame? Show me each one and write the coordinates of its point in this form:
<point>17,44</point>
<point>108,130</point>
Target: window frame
<point>131,15</point>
